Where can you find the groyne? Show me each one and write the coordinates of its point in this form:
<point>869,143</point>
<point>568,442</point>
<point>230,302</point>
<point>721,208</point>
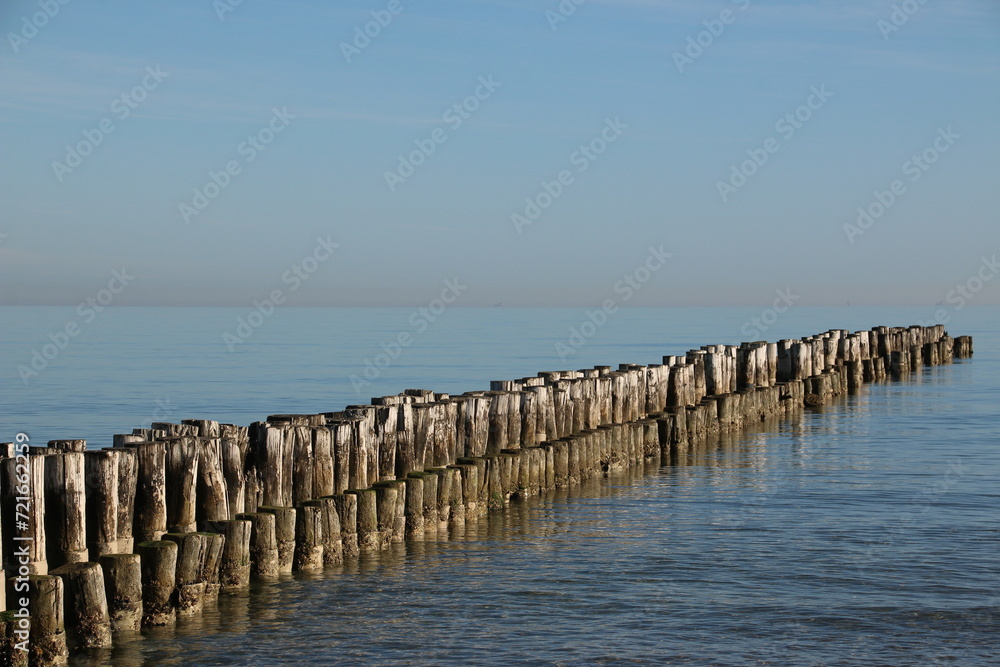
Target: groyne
<point>100,542</point>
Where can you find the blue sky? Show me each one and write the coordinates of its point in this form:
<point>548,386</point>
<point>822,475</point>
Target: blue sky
<point>888,96</point>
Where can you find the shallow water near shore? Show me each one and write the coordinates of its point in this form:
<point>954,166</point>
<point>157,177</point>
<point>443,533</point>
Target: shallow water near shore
<point>865,532</point>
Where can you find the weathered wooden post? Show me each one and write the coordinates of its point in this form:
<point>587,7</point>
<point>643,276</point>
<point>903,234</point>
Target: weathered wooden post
<point>284,535</point>
<point>123,591</point>
<point>150,521</point>
<point>309,538</point>
<point>367,519</point>
<point>23,487</point>
<point>303,465</point>
<point>386,417</point>
<point>78,446</point>
<point>364,459</point>
<point>423,435</point>
<point>430,481</point>
<point>415,506</point>
<point>329,540</point>
<point>385,511</point>
<point>233,447</point>
<point>215,544</point>
<point>159,577</point>
<point>86,610</point>
<point>263,544</point>
<point>182,484</point>
<point>443,496</point>
<point>271,456</point>
<point>102,501</point>
<point>47,635</point>
<point>333,545</point>
<point>65,508</point>
<point>235,563</point>
<point>456,499</point>
<point>469,487</point>
<point>342,435</point>
<point>322,457</point>
<point>190,589</point>
<point>213,494</point>
<point>13,647</point>
<point>399,516</point>
<point>128,464</point>
<point>347,508</point>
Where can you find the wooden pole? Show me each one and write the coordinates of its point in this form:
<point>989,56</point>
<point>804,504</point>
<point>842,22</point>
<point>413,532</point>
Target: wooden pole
<point>65,509</point>
<point>456,499</point>
<point>86,610</point>
<point>128,464</point>
<point>271,456</point>
<point>78,446</point>
<point>415,506</point>
<point>190,589</point>
<point>159,576</point>
<point>233,447</point>
<point>322,456</point>
<point>308,538</point>
<point>347,508</point>
<point>47,636</point>
<point>303,465</point>
<point>367,519</point>
<point>333,544</point>
<point>213,495</point>
<point>386,418</point>
<point>364,456</point>
<point>102,501</point>
<point>443,497</point>
<point>263,544</point>
<point>344,441</point>
<point>123,591</point>
<point>423,435</point>
<point>284,535</point>
<point>385,509</point>
<point>405,440</point>
<point>430,502</point>
<point>150,521</point>
<point>234,565</point>
<point>182,484</point>
<point>11,644</point>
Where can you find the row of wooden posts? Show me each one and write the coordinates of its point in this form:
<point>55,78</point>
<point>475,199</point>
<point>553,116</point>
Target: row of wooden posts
<point>97,542</point>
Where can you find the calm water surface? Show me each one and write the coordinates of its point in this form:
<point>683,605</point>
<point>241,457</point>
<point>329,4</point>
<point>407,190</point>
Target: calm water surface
<point>865,533</point>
